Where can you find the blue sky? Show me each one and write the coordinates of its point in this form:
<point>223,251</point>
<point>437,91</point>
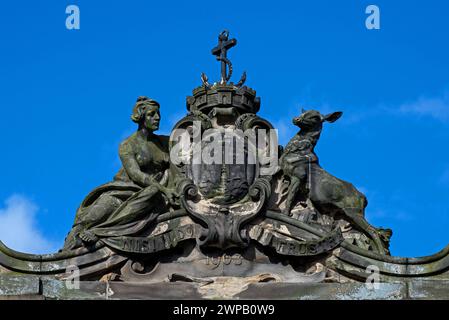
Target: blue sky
<point>66,97</point>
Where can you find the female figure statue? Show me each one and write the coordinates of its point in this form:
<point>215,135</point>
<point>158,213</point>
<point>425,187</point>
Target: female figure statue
<point>140,190</point>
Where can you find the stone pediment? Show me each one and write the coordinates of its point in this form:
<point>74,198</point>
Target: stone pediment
<point>193,211</point>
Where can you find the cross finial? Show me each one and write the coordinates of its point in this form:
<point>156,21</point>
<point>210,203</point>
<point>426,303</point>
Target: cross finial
<point>224,44</point>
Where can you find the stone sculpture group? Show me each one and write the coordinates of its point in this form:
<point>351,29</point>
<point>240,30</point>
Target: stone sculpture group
<point>162,221</point>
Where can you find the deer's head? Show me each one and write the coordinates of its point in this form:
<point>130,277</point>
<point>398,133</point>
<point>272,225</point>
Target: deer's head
<point>313,120</point>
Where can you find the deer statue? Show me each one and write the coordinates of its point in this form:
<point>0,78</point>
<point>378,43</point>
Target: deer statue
<point>326,192</point>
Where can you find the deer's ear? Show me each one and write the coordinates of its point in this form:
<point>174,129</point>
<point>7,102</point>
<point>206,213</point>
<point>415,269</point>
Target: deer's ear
<point>332,117</point>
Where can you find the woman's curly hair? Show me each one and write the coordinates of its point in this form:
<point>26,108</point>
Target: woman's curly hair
<point>143,104</point>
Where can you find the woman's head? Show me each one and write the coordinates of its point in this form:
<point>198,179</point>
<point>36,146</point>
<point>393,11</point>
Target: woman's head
<point>146,113</point>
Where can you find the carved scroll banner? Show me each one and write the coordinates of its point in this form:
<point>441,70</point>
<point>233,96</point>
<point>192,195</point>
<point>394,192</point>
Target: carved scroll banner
<point>155,243</point>
<point>292,247</point>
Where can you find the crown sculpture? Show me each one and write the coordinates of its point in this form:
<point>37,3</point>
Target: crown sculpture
<point>192,210</point>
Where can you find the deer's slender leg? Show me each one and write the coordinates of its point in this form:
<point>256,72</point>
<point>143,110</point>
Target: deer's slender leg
<point>293,190</point>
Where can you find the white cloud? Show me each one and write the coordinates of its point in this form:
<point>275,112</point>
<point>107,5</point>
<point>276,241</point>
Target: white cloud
<point>18,228</point>
<point>435,107</point>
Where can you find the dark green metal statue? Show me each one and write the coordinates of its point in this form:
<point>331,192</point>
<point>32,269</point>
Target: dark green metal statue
<point>139,187</point>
